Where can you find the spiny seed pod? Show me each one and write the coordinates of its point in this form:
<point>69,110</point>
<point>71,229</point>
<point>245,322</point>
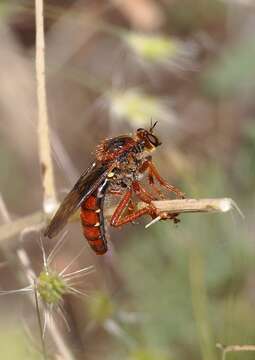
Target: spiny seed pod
<point>51,287</point>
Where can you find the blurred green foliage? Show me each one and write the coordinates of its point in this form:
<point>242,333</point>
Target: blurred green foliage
<point>4,8</point>
<point>100,307</point>
<point>232,74</point>
<point>137,107</point>
<point>152,48</point>
<point>244,165</point>
<point>148,354</point>
<point>11,168</point>
<point>187,16</point>
<point>14,345</point>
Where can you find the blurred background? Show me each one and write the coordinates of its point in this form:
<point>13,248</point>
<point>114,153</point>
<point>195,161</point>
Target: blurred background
<point>169,292</point>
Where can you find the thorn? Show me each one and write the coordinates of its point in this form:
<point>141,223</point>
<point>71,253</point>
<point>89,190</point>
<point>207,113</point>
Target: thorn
<point>158,218</point>
<point>234,205</point>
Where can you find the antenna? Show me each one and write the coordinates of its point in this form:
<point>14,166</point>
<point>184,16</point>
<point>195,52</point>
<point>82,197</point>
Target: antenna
<point>152,126</point>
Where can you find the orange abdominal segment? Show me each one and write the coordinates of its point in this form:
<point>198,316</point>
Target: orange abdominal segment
<point>93,229</point>
<point>89,217</point>
<point>98,246</point>
<point>91,233</point>
<point>90,203</point>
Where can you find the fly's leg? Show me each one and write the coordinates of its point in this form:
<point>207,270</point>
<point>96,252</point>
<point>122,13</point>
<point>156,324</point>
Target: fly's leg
<point>153,172</point>
<point>164,183</point>
<point>131,205</point>
<point>142,194</point>
<point>145,167</point>
<point>118,219</point>
<point>154,187</point>
<point>131,208</point>
<point>147,198</point>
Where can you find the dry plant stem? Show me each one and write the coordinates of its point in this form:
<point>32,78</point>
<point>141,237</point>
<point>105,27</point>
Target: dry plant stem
<point>234,348</point>
<point>195,205</point>
<point>171,206</point>
<point>190,206</point>
<point>43,123</point>
<point>35,220</point>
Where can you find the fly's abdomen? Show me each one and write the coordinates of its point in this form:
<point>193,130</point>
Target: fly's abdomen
<point>93,221</point>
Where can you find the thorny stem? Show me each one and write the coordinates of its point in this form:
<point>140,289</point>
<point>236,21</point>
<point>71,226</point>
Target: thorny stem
<point>170,206</point>
<point>50,198</point>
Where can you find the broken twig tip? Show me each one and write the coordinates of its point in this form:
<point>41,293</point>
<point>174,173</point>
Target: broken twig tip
<point>158,218</point>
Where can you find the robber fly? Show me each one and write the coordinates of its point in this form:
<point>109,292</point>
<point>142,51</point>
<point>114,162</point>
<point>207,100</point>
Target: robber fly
<point>120,164</point>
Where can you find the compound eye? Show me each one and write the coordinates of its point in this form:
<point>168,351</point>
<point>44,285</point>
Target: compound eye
<point>153,140</point>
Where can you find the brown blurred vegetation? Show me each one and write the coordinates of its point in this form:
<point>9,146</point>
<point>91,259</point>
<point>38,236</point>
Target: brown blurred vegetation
<point>166,292</point>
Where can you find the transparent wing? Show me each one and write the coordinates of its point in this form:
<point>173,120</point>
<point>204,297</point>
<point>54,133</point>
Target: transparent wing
<point>87,184</point>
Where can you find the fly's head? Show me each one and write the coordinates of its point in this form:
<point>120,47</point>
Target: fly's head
<point>147,139</point>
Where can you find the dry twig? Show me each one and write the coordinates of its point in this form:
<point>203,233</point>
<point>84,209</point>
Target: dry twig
<point>170,206</point>
<point>234,348</point>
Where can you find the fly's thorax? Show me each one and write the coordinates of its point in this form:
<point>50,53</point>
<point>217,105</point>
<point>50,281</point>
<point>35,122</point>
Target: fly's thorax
<point>124,174</point>
<point>114,148</point>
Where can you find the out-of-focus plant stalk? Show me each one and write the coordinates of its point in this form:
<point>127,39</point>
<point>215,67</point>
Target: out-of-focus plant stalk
<point>199,299</point>
<point>50,198</point>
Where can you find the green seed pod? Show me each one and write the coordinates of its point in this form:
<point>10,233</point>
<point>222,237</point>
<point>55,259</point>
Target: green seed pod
<point>51,287</point>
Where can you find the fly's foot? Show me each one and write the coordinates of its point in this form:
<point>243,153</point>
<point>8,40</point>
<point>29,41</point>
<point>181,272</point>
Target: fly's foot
<point>161,215</point>
<point>167,216</point>
<point>175,218</point>
<point>181,195</point>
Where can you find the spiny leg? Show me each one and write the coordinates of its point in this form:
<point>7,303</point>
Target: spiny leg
<point>146,197</point>
<point>153,172</point>
<point>145,167</point>
<point>118,219</point>
<point>142,193</point>
<point>154,187</point>
<point>131,205</point>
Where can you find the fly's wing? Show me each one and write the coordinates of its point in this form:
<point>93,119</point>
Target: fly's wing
<point>87,183</point>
